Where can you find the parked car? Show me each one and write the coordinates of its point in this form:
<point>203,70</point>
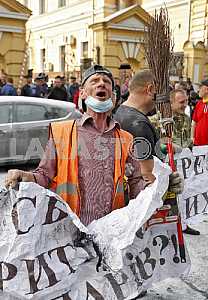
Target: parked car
<point>24,126</point>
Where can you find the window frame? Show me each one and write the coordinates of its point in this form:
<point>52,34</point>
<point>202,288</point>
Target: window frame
<point>26,3</point>
<point>62,55</point>
<point>85,49</point>
<point>42,7</point>
<point>61,3</point>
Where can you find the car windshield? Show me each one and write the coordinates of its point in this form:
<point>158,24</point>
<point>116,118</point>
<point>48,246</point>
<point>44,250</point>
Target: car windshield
<point>35,112</point>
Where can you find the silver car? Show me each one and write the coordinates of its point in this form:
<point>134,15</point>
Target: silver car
<point>24,126</point>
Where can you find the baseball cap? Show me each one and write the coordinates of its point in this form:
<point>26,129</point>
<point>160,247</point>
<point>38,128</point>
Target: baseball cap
<point>95,70</point>
<point>40,77</point>
<point>27,76</point>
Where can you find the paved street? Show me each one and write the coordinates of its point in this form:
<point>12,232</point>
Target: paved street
<point>195,286</point>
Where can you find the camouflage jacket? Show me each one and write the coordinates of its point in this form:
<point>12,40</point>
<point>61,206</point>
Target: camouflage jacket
<point>182,130</point>
<point>155,120</point>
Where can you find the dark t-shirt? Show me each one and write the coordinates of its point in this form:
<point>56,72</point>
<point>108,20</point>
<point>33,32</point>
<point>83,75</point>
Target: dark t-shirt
<point>138,124</point>
<point>58,93</point>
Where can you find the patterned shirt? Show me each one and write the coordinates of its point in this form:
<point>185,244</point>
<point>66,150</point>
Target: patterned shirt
<point>96,169</point>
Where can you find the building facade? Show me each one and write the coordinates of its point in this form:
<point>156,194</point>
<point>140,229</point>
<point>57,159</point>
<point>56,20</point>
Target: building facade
<point>67,36</point>
<point>13,17</point>
<point>189,24</point>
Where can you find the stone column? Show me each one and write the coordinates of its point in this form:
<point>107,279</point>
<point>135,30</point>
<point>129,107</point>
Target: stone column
<point>195,61</point>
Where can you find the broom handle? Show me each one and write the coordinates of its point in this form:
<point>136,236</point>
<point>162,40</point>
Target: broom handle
<point>179,227</point>
<point>171,155</point>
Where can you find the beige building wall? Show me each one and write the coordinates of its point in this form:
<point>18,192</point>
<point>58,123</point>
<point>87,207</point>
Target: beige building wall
<point>179,15</point>
<point>63,27</point>
<point>121,38</point>
<point>13,17</point>
<point>189,23</point>
<point>198,24</point>
<point>83,28</point>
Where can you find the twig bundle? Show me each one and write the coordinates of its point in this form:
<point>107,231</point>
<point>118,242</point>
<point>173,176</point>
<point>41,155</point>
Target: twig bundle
<point>159,48</point>
<point>159,53</point>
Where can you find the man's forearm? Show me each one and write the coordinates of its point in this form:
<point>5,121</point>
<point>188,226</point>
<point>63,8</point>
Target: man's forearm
<point>146,171</point>
<point>135,180</point>
<point>15,176</point>
<point>46,170</point>
<point>28,176</point>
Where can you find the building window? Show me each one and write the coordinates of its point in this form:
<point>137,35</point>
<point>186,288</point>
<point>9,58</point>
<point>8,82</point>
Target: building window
<point>62,59</point>
<point>61,3</point>
<point>42,58</point>
<point>117,4</point>
<point>42,6</point>
<point>85,49</point>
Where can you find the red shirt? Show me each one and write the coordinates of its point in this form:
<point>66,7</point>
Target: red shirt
<point>200,116</point>
<point>76,98</point>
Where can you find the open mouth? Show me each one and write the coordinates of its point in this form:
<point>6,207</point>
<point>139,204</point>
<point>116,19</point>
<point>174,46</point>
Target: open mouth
<point>101,94</point>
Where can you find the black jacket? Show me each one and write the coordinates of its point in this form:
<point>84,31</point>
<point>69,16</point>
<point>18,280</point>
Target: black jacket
<point>58,94</point>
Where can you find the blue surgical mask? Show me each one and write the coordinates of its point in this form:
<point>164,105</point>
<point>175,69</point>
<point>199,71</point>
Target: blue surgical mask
<point>99,106</point>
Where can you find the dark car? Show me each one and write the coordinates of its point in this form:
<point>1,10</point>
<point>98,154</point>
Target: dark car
<point>24,126</point>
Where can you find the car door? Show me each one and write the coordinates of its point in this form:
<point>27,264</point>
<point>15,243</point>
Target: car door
<point>30,129</point>
<point>5,131</point>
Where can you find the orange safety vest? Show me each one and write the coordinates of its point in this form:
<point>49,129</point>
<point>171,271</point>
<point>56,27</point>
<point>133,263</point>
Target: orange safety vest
<point>66,183</point>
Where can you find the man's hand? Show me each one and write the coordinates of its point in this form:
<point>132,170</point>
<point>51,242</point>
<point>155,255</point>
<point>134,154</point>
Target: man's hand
<point>176,183</point>
<point>15,176</point>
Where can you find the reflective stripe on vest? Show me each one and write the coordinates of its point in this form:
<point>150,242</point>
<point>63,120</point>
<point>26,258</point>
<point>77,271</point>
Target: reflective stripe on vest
<point>68,188</point>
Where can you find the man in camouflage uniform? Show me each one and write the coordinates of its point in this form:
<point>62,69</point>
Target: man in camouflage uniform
<point>181,131</point>
<point>182,123</point>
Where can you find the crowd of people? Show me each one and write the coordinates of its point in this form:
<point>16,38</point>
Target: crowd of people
<point>59,89</point>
